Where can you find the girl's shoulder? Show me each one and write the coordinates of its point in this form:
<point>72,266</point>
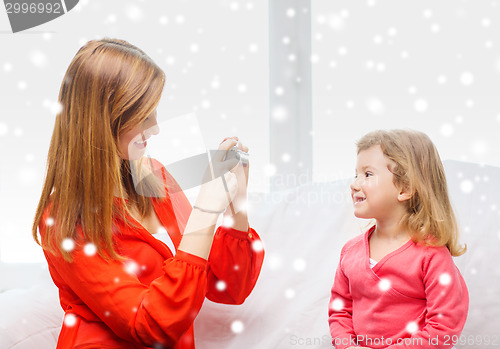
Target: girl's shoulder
<point>354,243</point>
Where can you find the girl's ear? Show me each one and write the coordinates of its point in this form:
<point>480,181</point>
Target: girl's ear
<point>404,195</point>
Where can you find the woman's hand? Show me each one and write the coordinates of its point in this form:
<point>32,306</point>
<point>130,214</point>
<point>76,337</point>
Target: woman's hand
<point>216,194</point>
<point>239,202</point>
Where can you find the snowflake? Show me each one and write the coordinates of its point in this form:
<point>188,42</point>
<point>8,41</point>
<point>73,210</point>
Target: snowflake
<point>242,88</point>
<point>337,304</point>
<point>384,284</point>
<point>274,262</point>
<point>170,60</point>
<point>253,48</point>
<point>163,20</point>
<point>279,91</point>
<point>228,222</point>
<point>290,12</point>
<point>466,186</point>
<point>467,78</point>
<point>220,285</point>
<point>90,249</point>
<point>49,221</point>
<point>421,105</point>
<point>257,246</point>
<point>289,293</point>
<point>68,244</point>
<point>375,106</point>
<point>134,13</point>
<point>237,326</point>
<point>285,157</point>
<point>280,113</point>
<point>486,22</point>
<point>131,267</point>
<point>441,79</point>
<point>445,279</point>
<point>180,19</point>
<point>70,320</point>
<point>38,58</point>
<point>412,327</point>
<point>447,130</point>
<point>299,264</point>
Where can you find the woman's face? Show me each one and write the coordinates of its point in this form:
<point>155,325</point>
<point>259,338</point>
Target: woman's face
<point>133,143</point>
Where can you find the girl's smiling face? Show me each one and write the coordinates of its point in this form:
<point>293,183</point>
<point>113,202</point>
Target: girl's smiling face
<point>373,192</point>
<point>133,143</point>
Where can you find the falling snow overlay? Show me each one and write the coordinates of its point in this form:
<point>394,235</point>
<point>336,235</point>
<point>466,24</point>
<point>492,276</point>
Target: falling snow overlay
<point>431,66</point>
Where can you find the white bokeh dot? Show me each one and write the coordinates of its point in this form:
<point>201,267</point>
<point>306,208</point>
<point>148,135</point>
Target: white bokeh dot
<point>70,320</point>
<point>375,106</point>
<point>299,264</point>
<point>444,279</point>
<point>466,186</point>
<point>237,326</point>
<point>466,78</point>
<point>49,221</point>
<point>134,13</point>
<point>412,327</point>
<point>90,249</point>
<point>257,246</point>
<point>421,105</point>
<point>447,130</point>
<point>441,79</point>
<point>384,284</point>
<point>68,244</point>
<point>131,267</point>
<point>286,157</point>
<point>289,293</point>
<point>280,113</point>
<point>270,170</point>
<point>38,58</point>
<point>220,285</point>
<point>290,12</point>
<point>337,304</point>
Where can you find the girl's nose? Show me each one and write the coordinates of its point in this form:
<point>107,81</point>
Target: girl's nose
<point>355,185</point>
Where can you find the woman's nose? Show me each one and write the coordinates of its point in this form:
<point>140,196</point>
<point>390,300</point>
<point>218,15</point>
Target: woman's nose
<point>152,131</point>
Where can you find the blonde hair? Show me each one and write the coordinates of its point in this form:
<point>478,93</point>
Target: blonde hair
<point>418,169</point>
<point>110,87</point>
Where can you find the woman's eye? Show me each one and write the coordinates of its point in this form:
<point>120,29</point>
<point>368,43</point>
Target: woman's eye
<point>368,174</point>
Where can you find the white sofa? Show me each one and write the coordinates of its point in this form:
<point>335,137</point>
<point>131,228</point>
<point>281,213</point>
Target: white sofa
<point>303,231</point>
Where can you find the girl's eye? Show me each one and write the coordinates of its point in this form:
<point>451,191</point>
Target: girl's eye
<point>368,174</point>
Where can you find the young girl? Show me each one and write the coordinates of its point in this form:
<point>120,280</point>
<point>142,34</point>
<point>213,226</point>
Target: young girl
<point>396,285</point>
<point>132,260</point>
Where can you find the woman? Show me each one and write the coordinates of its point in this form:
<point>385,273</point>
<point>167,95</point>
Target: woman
<point>102,204</point>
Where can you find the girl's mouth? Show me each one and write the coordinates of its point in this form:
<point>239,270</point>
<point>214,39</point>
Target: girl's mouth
<point>358,200</point>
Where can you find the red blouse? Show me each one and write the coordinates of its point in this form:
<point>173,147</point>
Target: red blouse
<point>151,299</point>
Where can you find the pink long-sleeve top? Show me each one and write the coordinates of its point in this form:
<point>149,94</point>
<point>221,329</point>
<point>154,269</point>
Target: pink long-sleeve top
<point>414,297</point>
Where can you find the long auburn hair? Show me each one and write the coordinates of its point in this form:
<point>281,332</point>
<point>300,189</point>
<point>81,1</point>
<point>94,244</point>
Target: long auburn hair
<point>417,168</point>
<point>110,87</point>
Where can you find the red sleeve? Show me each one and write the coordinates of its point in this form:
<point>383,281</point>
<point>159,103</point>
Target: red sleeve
<point>235,262</point>
<point>340,310</point>
<point>447,302</point>
<point>160,313</point>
